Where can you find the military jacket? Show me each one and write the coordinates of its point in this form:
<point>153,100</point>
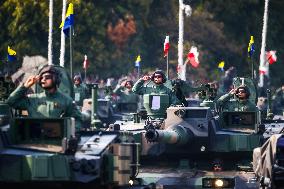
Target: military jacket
<point>80,93</point>
<point>141,89</point>
<point>236,105</point>
<point>44,105</point>
<point>126,96</point>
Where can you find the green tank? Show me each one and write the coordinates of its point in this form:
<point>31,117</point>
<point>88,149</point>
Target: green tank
<point>47,152</point>
<point>202,147</point>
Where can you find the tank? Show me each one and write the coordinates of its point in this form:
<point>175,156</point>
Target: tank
<point>46,152</point>
<point>203,147</point>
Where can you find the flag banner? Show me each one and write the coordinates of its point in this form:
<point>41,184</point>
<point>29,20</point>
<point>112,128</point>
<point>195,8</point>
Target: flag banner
<point>166,46</point>
<point>192,57</point>
<point>137,62</point>
<point>86,62</point>
<point>11,54</point>
<point>251,48</point>
<point>221,65</point>
<point>271,57</point>
<point>69,20</point>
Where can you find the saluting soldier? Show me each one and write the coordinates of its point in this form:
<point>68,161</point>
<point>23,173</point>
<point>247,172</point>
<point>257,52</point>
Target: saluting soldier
<point>158,87</point>
<point>242,102</point>
<point>125,94</point>
<point>50,103</point>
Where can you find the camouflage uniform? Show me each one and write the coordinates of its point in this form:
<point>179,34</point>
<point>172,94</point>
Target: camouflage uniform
<point>140,89</point>
<point>43,105</point>
<point>126,96</point>
<point>237,105</point>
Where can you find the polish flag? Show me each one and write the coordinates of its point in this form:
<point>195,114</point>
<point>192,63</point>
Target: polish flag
<point>166,46</point>
<point>86,62</point>
<point>271,57</point>
<point>192,57</point>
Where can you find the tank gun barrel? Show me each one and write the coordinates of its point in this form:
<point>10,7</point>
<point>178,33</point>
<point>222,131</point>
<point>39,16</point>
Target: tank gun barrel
<point>174,135</point>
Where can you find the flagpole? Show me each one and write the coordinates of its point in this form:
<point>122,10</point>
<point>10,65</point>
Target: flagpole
<point>85,74</point>
<point>71,52</point>
<point>62,44</point>
<point>50,32</point>
<point>263,43</point>
<point>168,76</point>
<point>252,68</point>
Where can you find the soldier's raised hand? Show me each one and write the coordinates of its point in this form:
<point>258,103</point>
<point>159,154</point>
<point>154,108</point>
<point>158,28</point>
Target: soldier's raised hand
<point>233,91</point>
<point>31,81</point>
<point>146,78</point>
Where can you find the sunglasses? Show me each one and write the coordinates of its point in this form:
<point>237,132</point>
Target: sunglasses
<point>46,77</point>
<point>242,91</point>
<point>157,76</point>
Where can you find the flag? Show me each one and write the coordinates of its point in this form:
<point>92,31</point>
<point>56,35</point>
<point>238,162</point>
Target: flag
<point>137,62</point>
<point>11,54</point>
<point>86,62</point>
<point>192,57</point>
<point>166,46</point>
<point>69,20</point>
<point>271,57</point>
<point>221,65</point>
<point>251,46</point>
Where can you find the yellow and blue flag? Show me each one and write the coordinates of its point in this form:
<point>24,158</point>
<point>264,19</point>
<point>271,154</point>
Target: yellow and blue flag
<point>11,55</point>
<point>251,46</point>
<point>137,62</point>
<point>69,20</point>
<point>221,65</point>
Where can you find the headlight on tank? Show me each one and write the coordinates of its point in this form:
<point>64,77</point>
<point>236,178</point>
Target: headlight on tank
<point>218,183</point>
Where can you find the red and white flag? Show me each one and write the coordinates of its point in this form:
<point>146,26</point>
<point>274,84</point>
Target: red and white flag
<point>271,57</point>
<point>192,57</point>
<point>166,46</point>
<point>86,62</point>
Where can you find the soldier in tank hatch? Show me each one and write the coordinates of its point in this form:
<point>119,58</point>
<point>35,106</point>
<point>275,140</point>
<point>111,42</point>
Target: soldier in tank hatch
<point>125,93</point>
<point>50,103</point>
<point>242,102</point>
<point>158,78</point>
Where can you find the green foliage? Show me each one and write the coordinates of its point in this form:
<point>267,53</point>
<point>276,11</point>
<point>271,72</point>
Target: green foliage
<point>220,29</point>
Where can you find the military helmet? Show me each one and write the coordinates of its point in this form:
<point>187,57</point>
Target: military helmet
<point>51,69</point>
<point>77,77</point>
<point>245,88</point>
<point>160,72</point>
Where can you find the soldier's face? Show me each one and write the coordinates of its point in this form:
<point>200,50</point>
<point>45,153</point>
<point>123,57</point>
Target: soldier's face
<point>158,79</point>
<point>47,81</point>
<point>77,81</point>
<point>242,94</point>
<point>128,85</point>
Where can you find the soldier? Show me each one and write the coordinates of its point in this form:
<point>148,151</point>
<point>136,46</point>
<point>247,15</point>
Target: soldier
<point>80,90</point>
<point>124,92</point>
<point>241,104</point>
<point>49,104</point>
<point>278,101</point>
<point>158,79</point>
